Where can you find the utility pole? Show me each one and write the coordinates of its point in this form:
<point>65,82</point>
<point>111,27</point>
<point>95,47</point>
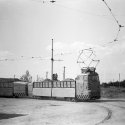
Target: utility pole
<point>64,73</point>
<point>52,60</point>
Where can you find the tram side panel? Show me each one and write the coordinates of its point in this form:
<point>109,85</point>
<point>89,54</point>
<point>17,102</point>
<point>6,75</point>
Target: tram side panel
<point>6,89</point>
<point>42,89</point>
<point>94,86</point>
<point>42,92</point>
<point>55,89</point>
<point>63,89</point>
<point>20,89</point>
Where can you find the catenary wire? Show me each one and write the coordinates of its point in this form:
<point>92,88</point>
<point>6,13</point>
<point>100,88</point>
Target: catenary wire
<point>115,39</point>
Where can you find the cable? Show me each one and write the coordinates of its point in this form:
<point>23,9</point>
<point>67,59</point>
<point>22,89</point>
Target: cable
<point>92,14</point>
<point>117,22</point>
<point>82,12</point>
<point>24,58</point>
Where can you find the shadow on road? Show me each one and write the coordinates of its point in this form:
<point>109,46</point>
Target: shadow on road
<point>8,116</point>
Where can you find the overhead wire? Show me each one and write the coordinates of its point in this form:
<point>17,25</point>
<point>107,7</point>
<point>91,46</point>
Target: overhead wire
<point>58,3</point>
<point>20,58</point>
<point>115,39</point>
<point>103,45</point>
<point>117,22</point>
<point>82,12</point>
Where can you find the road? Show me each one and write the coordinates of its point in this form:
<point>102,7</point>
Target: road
<point>23,111</point>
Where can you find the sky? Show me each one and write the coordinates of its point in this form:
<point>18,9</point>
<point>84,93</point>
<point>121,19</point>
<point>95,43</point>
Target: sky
<point>27,28</point>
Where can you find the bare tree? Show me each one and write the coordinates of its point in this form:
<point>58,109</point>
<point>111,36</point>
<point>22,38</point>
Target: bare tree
<point>26,77</point>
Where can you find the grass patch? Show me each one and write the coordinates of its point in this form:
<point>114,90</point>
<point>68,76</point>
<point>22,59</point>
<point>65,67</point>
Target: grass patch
<point>112,92</point>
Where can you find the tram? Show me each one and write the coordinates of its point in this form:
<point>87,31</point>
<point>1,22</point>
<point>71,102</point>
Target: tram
<point>86,86</point>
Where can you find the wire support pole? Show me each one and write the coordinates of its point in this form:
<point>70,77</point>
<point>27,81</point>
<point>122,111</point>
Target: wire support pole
<point>52,60</point>
<point>64,73</point>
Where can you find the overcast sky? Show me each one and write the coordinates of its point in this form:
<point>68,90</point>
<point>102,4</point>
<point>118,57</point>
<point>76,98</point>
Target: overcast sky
<point>27,28</point>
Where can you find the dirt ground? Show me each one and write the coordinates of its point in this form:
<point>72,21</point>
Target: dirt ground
<point>53,112</point>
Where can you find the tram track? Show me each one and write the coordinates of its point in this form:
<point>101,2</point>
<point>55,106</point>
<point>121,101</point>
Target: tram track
<point>108,116</point>
<point>110,108</point>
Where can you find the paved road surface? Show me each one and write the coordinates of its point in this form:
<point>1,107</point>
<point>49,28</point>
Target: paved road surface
<point>51,112</point>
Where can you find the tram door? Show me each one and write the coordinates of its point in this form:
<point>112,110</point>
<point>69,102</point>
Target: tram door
<point>82,92</point>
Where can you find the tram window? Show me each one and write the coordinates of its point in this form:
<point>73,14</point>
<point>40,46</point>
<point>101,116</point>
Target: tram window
<point>65,84</point>
<point>68,84</point>
<point>40,85</point>
<point>72,84</point>
<point>0,84</point>
<point>10,85</point>
<point>54,84</point>
<point>58,84</point>
<point>43,84</point>
<point>37,84</point>
<point>50,84</point>
<point>61,84</point>
<point>5,85</point>
<point>47,85</point>
<point>34,84</point>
